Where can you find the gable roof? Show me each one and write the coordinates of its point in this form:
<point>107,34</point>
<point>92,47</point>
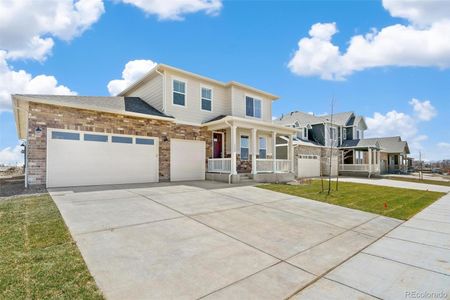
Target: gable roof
<point>302,118</point>
<point>341,119</point>
<point>161,67</point>
<point>392,144</point>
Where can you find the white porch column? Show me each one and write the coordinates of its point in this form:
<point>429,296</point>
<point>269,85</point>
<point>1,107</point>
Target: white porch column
<point>379,160</point>
<point>233,149</point>
<point>291,152</point>
<point>274,151</point>
<point>370,161</point>
<point>254,150</point>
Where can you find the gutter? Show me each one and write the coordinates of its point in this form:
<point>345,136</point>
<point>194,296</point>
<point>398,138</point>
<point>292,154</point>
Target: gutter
<point>164,88</point>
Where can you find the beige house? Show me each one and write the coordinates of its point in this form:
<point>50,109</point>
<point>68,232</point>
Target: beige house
<point>169,125</point>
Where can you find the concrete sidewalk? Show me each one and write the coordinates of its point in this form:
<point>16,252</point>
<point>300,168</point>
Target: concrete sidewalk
<point>398,184</point>
<point>412,261</point>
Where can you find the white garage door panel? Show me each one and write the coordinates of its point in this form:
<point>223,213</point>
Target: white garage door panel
<point>308,167</point>
<point>187,160</point>
<point>75,163</point>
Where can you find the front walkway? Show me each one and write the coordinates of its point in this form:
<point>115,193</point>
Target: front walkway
<point>398,184</point>
<point>195,240</point>
<point>410,262</point>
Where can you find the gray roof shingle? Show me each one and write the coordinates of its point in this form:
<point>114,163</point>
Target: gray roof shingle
<point>125,104</point>
<point>392,144</point>
<point>304,118</point>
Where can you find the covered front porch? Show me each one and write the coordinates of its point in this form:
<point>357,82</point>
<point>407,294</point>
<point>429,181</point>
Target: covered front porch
<point>246,146</point>
<point>360,161</point>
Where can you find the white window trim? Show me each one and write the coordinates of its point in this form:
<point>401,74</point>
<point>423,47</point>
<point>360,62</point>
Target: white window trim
<point>259,145</point>
<point>305,136</point>
<point>185,91</point>
<point>212,98</point>
<point>240,147</point>
<point>245,106</point>
<point>335,134</point>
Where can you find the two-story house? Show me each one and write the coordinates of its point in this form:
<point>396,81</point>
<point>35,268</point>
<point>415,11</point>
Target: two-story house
<point>169,125</point>
<point>340,137</point>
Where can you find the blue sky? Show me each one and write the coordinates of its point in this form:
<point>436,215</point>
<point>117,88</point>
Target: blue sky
<point>256,42</point>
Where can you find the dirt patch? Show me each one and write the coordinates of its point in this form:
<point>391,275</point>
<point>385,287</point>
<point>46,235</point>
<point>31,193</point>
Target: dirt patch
<point>15,185</point>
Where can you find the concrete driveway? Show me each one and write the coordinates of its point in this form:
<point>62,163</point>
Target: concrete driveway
<point>211,240</point>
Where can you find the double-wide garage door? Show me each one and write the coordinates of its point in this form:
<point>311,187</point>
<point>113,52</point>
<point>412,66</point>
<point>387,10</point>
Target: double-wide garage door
<point>77,158</point>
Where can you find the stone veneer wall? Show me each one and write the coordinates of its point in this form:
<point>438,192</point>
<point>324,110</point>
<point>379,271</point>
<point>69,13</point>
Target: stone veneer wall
<point>50,116</point>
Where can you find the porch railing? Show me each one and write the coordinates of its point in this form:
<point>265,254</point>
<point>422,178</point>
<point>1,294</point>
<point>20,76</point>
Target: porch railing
<point>219,165</point>
<point>358,168</point>
<point>283,165</point>
<point>266,165</point>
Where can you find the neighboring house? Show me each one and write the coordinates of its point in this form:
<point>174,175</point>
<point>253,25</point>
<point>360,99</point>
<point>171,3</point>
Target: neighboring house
<point>169,125</point>
<point>342,134</point>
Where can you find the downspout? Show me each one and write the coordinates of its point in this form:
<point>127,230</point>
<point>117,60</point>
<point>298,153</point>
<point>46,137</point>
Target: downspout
<point>231,174</point>
<point>26,145</point>
<point>164,90</point>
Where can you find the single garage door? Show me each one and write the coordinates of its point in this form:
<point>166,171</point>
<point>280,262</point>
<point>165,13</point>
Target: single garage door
<point>187,160</point>
<point>308,166</point>
<point>76,158</point>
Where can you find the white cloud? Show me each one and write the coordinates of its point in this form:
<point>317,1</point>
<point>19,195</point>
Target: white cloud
<point>176,9</point>
<point>28,27</point>
<point>11,156</point>
<point>395,123</point>
<point>391,124</point>
<point>419,12</point>
<point>444,145</point>
<point>424,110</point>
<point>13,82</point>
<point>133,71</point>
<point>427,45</point>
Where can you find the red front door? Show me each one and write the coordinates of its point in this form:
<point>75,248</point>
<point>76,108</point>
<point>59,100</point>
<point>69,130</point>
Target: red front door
<point>217,144</point>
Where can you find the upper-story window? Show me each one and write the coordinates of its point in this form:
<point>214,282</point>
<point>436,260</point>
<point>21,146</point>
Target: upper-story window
<point>252,107</point>
<point>333,133</point>
<point>359,134</point>
<point>179,92</point>
<point>206,99</point>
<point>305,133</point>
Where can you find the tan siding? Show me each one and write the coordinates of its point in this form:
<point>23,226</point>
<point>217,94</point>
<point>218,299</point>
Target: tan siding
<point>192,112</point>
<point>150,91</point>
<point>238,104</point>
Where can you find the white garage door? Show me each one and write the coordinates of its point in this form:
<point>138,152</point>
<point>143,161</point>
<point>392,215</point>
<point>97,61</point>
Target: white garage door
<point>77,158</point>
<point>308,166</point>
<point>187,160</point>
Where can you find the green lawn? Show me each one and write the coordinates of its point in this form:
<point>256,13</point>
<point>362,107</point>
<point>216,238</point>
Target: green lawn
<point>427,181</point>
<point>401,203</point>
<point>39,259</point>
